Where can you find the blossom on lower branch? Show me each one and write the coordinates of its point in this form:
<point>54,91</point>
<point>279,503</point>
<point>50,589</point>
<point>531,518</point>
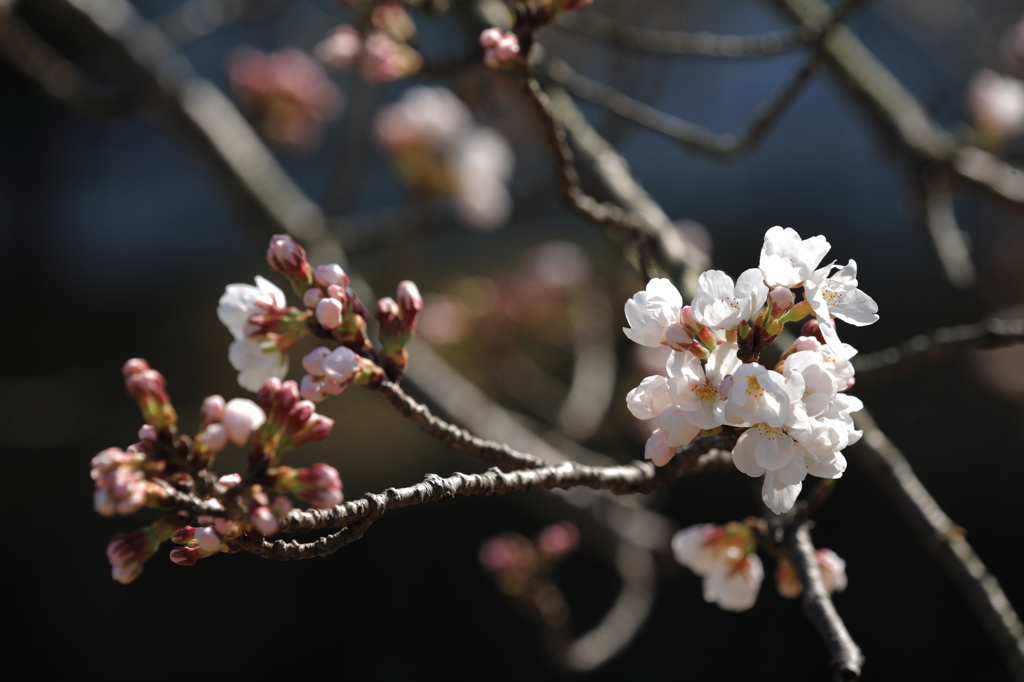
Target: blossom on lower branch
<point>725,556</point>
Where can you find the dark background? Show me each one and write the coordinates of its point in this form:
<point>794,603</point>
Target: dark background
<point>115,242</point>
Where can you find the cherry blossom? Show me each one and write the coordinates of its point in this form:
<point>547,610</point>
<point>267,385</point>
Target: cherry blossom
<point>694,388</point>
<point>837,295</point>
<point>725,558</point>
<point>787,260</point>
<point>720,304</point>
<point>254,357</point>
<point>757,395</point>
<point>650,312</point>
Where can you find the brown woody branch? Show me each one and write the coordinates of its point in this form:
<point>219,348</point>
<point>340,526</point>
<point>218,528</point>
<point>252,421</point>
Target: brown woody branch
<point>635,477</point>
<point>927,349</point>
<point>846,655</point>
<point>944,540</point>
<point>691,135</point>
<point>900,115</point>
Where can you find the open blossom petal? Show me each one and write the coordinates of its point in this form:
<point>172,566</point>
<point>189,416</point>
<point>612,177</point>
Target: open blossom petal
<point>657,449</point>
<point>721,304</point>
<point>256,364</point>
<point>696,392</point>
<point>692,548</point>
<point>650,398</point>
<point>678,428</point>
<point>759,395</point>
<point>778,495</point>
<point>787,260</point>
<point>736,588</point>
<point>837,295</point>
<point>241,301</point>
<point>651,311</point>
<point>820,383</point>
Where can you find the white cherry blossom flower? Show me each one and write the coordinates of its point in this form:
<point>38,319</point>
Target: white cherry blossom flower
<point>837,295</point>
<point>833,570</point>
<point>657,449</point>
<point>256,361</point>
<point>735,589</point>
<point>722,305</point>
<point>241,301</point>
<point>694,389</point>
<point>819,381</point>
<point>650,312</point>
<point>694,548</point>
<point>787,260</point>
<point>650,398</point>
<point>757,395</point>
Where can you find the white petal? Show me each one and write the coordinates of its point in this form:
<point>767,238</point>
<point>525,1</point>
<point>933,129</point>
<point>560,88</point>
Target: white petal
<point>779,497</point>
<point>774,448</point>
<point>743,454</point>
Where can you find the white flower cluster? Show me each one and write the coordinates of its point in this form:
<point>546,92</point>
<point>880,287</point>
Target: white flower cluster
<point>252,353</point>
<point>724,556</point>
<point>796,416</point>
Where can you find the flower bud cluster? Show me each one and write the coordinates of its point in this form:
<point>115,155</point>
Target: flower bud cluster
<point>439,151</point>
<point>795,415</point>
<point>516,562</point>
<point>286,93</point>
<point>320,485</point>
<point>833,574</point>
<point>397,325</point>
<point>167,470</point>
<point>291,422</point>
<point>383,54</point>
<point>725,557</point>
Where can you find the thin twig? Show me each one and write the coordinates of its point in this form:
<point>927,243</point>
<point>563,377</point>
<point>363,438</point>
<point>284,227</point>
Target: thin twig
<point>846,655</point>
<point>700,43</point>
<point>949,241</point>
<point>927,349</point>
<point>354,517</point>
<point>692,135</point>
<point>59,77</point>
<point>944,540</point>
<point>899,113</point>
<point>456,438</point>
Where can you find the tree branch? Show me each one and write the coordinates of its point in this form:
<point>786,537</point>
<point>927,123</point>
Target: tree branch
<point>691,135</point>
<point>927,349</point>
<point>356,516</point>
<point>899,113</point>
<point>944,540</point>
<point>846,655</point>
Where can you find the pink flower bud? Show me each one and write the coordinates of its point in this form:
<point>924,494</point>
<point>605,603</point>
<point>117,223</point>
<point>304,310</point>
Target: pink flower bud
<point>312,297</point>
<point>286,256</point>
<point>208,540</point>
<point>559,539</point>
<point>214,438</point>
<point>212,410</point>
<point>263,520</point>
<point>185,556</point>
<point>688,321</point>
<point>387,311</point>
<point>806,343</point>
<point>496,554</point>
<point>110,459</point>
<point>267,395</point>
<point>103,502</point>
<point>311,388</point>
<point>329,312</point>
<point>147,432</point>
<point>657,450</point>
<point>678,338</point>
<point>184,536</point>
<point>318,428</point>
<point>241,417</point>
<point>724,387</point>
<point>329,274</point>
<point>282,506</point>
<point>782,298</point>
<point>229,480</point>
<point>410,301</point>
<point>125,574</point>
<point>311,363</point>
<point>226,528</point>
<point>338,292</point>
<point>340,365</point>
<point>340,48</point>
<point>330,387</point>
<point>490,37</point>
<point>507,48</point>
<point>134,366</point>
<point>833,570</point>
<point>299,416</point>
<point>811,328</point>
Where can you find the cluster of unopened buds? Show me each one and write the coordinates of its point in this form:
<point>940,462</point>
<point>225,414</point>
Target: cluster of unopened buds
<point>794,418</point>
<point>502,49</point>
<point>726,558</point>
<point>383,50</point>
<point>206,513</point>
<point>516,562</point>
<point>439,150</point>
<point>265,327</point>
<point>286,93</point>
